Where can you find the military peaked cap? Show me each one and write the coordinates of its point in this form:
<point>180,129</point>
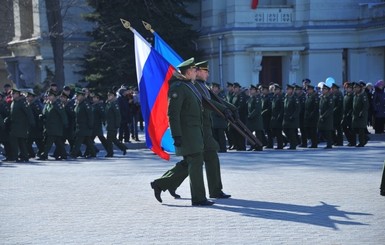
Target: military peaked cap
<point>203,65</point>
<point>187,64</point>
<point>80,91</point>
<point>213,84</point>
<point>237,85</point>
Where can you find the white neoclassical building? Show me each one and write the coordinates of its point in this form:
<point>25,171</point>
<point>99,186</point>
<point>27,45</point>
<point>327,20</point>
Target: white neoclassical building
<point>25,49</point>
<point>280,41</point>
<point>284,41</point>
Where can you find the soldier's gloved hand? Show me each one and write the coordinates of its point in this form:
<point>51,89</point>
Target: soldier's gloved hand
<point>360,114</point>
<point>291,118</point>
<point>177,141</point>
<point>236,115</point>
<point>228,113</point>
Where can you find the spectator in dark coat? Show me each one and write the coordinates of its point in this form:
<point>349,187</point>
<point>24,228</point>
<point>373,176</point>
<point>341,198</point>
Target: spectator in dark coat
<point>379,107</point>
<point>124,107</point>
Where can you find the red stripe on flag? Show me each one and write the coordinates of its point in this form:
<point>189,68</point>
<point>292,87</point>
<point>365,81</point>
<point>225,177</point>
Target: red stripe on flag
<point>158,121</point>
<point>254,4</point>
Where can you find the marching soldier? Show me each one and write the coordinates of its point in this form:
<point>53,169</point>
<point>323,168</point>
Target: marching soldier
<point>337,115</point>
<point>325,121</point>
<point>277,111</point>
<point>4,131</point>
<point>99,118</point>
<point>113,118</point>
<point>185,118</point>
<point>20,119</point>
<point>301,95</point>
<point>346,122</point>
<point>229,132</point>
<point>219,124</point>
<point>311,115</point>
<point>69,107</point>
<point>266,116</point>
<point>210,155</point>
<point>254,116</point>
<point>84,125</point>
<point>291,112</point>
<point>55,120</point>
<point>239,101</point>
<point>360,114</point>
<point>382,187</point>
<point>35,134</point>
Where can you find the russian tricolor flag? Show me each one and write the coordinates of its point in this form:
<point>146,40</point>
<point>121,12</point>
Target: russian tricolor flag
<point>166,51</point>
<point>153,73</point>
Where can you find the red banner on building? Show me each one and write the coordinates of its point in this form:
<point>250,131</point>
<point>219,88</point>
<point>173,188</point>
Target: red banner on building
<point>254,4</point>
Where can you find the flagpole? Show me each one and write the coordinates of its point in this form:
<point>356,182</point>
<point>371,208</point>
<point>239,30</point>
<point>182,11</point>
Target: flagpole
<point>126,24</point>
<point>148,26</point>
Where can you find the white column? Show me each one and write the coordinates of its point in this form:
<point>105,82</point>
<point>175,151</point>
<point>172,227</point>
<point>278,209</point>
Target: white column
<point>17,20</point>
<point>36,18</point>
<point>294,67</point>
<point>257,67</point>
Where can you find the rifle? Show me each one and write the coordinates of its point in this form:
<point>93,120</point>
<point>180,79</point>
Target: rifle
<point>252,139</point>
<point>237,124</point>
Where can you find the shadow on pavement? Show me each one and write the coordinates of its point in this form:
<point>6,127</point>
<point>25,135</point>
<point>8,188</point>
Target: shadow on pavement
<point>324,215</point>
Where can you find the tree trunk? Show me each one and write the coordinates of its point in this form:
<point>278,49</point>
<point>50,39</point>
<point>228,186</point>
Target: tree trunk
<point>55,27</point>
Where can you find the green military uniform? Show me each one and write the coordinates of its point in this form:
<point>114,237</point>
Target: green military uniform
<point>337,117</point>
<point>325,122</point>
<point>382,187</point>
<point>35,134</point>
<point>239,100</point>
<point>99,119</point>
<point>346,122</point>
<point>290,121</point>
<point>185,117</point>
<point>113,119</point>
<point>21,119</point>
<point>84,125</point>
<point>311,116</point>
<point>219,125</point>
<point>302,101</point>
<point>229,132</point>
<point>277,110</point>
<point>69,132</point>
<point>266,116</point>
<point>211,147</point>
<point>210,156</point>
<point>4,131</point>
<point>55,121</point>
<point>360,115</point>
<point>186,124</point>
<point>254,117</point>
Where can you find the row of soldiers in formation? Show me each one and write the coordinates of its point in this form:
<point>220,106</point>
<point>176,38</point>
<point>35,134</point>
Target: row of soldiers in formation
<point>326,114</point>
<point>265,110</point>
<point>25,120</point>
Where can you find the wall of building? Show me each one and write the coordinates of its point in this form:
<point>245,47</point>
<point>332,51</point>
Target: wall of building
<point>29,44</point>
<point>311,36</point>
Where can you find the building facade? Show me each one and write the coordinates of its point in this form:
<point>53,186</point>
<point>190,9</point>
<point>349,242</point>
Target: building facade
<point>25,49</point>
<point>284,41</point>
<point>280,41</point>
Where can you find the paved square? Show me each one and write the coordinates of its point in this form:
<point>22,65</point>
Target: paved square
<point>307,196</point>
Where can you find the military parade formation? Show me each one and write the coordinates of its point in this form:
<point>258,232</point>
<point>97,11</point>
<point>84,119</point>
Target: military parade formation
<point>303,115</point>
<point>30,124</point>
<point>203,119</point>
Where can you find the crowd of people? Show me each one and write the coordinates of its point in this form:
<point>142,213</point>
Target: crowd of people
<point>303,115</point>
<point>30,124</point>
<point>299,115</point>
